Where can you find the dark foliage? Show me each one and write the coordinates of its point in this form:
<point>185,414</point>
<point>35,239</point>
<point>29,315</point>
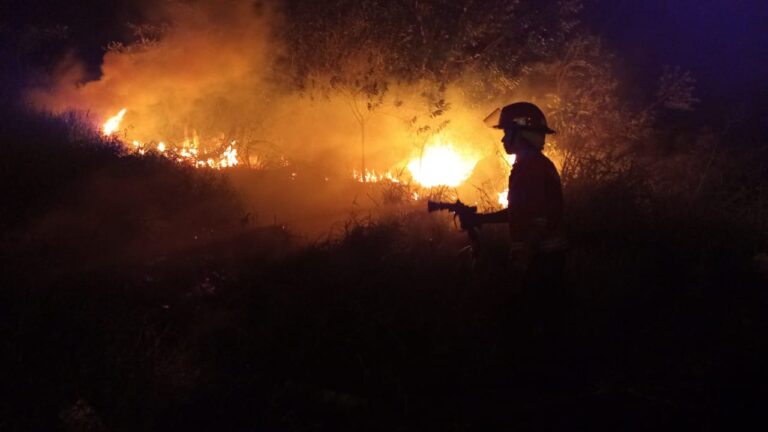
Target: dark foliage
<point>437,40</point>
<point>130,327</point>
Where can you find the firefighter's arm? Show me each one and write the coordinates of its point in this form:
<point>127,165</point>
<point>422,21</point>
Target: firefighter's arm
<point>501,216</point>
<point>478,219</point>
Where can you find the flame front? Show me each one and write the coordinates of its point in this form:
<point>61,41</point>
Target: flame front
<point>111,125</point>
<point>371,176</point>
<point>188,151</point>
<point>229,157</point>
<point>441,165</point>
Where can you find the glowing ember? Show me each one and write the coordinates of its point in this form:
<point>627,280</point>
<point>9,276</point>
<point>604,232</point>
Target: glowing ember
<point>161,147</point>
<point>111,125</point>
<point>441,165</point>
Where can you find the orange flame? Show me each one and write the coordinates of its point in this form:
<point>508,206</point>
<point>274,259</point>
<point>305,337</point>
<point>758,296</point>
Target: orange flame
<point>113,123</point>
<point>442,165</point>
<point>504,198</point>
<point>229,157</point>
<point>187,152</point>
<point>371,176</point>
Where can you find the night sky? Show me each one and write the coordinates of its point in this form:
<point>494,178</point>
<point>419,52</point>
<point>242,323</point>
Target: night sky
<point>723,43</point>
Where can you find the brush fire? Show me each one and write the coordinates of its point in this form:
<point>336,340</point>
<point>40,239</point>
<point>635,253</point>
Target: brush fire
<point>187,152</point>
<point>439,163</point>
<point>223,108</point>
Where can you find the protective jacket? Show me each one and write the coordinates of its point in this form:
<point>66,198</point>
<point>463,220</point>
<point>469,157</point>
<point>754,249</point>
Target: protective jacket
<point>536,206</point>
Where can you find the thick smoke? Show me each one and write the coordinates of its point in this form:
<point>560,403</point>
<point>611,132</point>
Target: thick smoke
<point>209,71</point>
<point>205,71</point>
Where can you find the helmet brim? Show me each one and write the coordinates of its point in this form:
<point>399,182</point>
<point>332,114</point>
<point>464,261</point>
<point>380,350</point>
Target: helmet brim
<point>545,130</point>
<point>493,118</point>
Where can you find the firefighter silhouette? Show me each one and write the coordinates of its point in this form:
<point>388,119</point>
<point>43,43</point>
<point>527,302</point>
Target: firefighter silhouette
<point>535,209</point>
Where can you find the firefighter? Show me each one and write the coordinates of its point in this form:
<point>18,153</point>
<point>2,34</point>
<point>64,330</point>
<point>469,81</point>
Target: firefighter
<point>535,210</point>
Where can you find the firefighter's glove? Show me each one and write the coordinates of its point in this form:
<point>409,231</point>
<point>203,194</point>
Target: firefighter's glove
<point>469,221</point>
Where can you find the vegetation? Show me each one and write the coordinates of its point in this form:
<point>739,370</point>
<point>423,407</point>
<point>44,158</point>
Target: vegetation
<point>140,294</point>
<point>114,323</point>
